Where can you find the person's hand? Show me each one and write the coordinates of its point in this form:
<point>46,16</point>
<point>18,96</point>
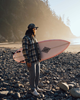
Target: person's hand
<point>29,64</point>
<point>39,60</point>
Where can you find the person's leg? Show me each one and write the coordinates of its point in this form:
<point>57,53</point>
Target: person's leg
<point>37,74</point>
<point>32,72</point>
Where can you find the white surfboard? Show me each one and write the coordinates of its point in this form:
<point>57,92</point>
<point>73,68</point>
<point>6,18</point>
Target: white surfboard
<point>48,48</point>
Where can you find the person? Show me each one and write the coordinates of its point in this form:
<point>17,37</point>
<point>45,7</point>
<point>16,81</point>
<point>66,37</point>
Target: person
<point>32,55</point>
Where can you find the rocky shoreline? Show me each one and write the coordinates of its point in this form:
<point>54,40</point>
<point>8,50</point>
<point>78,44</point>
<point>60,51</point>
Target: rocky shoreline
<point>14,77</point>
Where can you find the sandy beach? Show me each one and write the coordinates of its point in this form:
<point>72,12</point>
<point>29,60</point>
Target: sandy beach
<point>71,48</point>
<point>11,45</point>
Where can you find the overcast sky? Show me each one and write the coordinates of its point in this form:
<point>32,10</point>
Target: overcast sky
<point>69,9</point>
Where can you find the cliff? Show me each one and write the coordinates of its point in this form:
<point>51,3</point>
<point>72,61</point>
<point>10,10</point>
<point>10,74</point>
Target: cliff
<point>15,15</point>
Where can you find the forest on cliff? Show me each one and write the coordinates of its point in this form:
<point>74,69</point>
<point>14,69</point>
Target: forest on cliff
<point>15,15</point>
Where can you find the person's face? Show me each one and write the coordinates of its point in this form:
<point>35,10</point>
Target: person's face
<point>34,30</point>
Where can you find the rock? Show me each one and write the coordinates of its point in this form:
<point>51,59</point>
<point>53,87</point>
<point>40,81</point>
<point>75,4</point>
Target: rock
<point>48,82</point>
<point>4,88</point>
<point>27,83</point>
<point>55,81</point>
<point>48,99</point>
<point>28,96</point>
<point>71,86</point>
<point>63,86</point>
<point>42,95</point>
<point>77,85</point>
<point>11,92</point>
<point>15,77</point>
<point>73,83</point>
<point>53,90</point>
<point>69,69</point>
<point>0,88</point>
<point>20,85</point>
<point>2,93</point>
<point>78,99</point>
<point>17,95</point>
<point>75,92</point>
<point>1,78</point>
<point>6,84</point>
<point>18,81</point>
<point>41,84</point>
<point>54,78</point>
<point>56,94</point>
<point>57,88</point>
<point>78,75</point>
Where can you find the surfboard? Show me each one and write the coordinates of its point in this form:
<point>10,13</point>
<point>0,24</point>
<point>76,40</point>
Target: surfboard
<point>48,49</point>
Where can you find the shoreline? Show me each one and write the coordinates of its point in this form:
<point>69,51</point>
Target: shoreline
<point>17,45</point>
<point>73,48</point>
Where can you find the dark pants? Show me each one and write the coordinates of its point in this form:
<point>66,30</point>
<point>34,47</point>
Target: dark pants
<point>34,72</point>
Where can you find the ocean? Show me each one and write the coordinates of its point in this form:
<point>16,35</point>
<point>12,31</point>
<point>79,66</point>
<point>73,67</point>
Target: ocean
<point>74,41</point>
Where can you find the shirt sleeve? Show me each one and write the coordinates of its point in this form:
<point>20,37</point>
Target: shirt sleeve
<point>39,52</point>
<point>25,45</point>
<point>38,49</point>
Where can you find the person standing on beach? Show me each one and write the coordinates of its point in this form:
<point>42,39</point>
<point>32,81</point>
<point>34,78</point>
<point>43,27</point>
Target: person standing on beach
<point>32,56</point>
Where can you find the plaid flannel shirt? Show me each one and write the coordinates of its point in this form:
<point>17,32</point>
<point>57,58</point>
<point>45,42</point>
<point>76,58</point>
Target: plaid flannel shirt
<point>31,51</point>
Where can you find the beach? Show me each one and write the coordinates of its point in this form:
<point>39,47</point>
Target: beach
<point>11,45</point>
<point>14,77</point>
<point>71,48</point>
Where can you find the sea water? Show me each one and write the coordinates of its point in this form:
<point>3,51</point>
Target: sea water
<point>74,41</point>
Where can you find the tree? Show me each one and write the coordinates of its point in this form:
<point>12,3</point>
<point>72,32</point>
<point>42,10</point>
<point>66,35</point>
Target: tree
<point>68,21</point>
<point>63,17</point>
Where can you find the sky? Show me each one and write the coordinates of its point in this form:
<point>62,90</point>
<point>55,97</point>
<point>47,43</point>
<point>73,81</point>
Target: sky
<point>68,9</point>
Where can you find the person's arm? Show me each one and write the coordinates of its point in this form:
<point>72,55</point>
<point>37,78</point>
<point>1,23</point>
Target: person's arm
<point>39,52</point>
<point>25,44</point>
